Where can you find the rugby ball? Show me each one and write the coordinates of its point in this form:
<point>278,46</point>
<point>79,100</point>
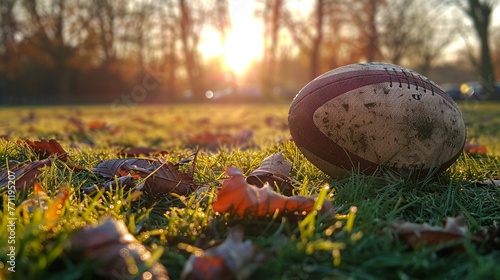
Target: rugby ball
<point>371,115</point>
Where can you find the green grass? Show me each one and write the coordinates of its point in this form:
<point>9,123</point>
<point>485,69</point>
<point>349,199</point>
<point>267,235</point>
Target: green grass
<point>163,224</point>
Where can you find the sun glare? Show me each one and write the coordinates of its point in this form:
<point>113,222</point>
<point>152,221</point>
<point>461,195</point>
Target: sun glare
<point>243,42</point>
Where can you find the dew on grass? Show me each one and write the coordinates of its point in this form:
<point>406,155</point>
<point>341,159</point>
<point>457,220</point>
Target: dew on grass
<point>147,275</point>
<point>133,269</point>
<point>124,252</point>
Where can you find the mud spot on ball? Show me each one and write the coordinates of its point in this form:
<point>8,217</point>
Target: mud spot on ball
<point>370,105</point>
<point>346,107</point>
<point>424,129</point>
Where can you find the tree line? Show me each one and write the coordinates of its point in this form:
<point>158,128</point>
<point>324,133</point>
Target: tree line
<point>68,51</point>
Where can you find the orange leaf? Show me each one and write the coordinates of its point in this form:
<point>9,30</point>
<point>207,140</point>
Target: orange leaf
<point>54,211</point>
<point>475,149</point>
<point>37,189</point>
<point>228,260</point>
<point>238,197</point>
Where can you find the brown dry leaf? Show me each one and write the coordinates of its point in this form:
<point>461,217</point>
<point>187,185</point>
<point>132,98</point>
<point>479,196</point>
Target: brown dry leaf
<point>25,174</point>
<point>162,177</point>
<point>117,251</point>
<point>229,260</point>
<point>274,170</point>
<point>47,148</point>
<point>417,235</point>
<point>495,182</point>
<point>138,151</point>
<point>98,125</point>
<point>238,197</point>
<point>475,149</point>
<point>77,122</point>
<point>110,168</point>
<point>166,179</point>
<point>215,140</point>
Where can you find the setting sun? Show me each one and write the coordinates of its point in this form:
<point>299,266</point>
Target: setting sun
<point>243,43</point>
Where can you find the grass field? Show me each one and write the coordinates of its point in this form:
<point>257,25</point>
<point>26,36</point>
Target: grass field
<point>242,136</point>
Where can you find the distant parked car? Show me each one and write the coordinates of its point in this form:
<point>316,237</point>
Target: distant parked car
<point>468,91</point>
<point>453,91</point>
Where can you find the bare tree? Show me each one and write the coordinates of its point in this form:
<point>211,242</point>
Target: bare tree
<point>271,15</point>
<point>480,12</point>
<point>310,40</point>
<point>410,32</point>
<point>49,21</point>
<point>364,14</point>
<point>8,28</point>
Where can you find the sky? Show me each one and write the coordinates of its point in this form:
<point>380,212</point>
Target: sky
<point>244,42</point>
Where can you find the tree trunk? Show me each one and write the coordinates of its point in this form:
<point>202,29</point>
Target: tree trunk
<point>480,13</point>
<point>318,39</point>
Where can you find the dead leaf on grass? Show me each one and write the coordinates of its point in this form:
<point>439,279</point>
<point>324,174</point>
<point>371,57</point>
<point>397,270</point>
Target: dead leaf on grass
<point>216,140</point>
<point>167,179</point>
<point>110,168</point>
<point>239,198</point>
<point>117,252</point>
<point>475,149</point>
<point>494,182</point>
<point>274,170</point>
<point>46,148</point>
<point>229,260</point>
<point>162,178</point>
<point>425,235</point>
<point>138,151</point>
<point>53,208</point>
<point>25,175</point>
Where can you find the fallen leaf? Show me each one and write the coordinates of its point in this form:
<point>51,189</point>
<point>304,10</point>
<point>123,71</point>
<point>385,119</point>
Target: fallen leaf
<point>47,148</point>
<point>475,149</point>
<point>138,151</point>
<point>216,140</point>
<point>54,211</point>
<point>77,122</point>
<point>274,170</point>
<point>52,207</point>
<point>110,168</point>
<point>25,175</point>
<point>425,235</point>
<point>238,197</point>
<point>162,178</point>
<point>229,260</point>
<point>276,122</point>
<point>495,182</point>
<point>40,199</point>
<point>117,252</point>
<point>167,179</point>
<point>97,125</point>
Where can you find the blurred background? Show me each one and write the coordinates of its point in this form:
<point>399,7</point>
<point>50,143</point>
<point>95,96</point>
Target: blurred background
<point>166,51</point>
